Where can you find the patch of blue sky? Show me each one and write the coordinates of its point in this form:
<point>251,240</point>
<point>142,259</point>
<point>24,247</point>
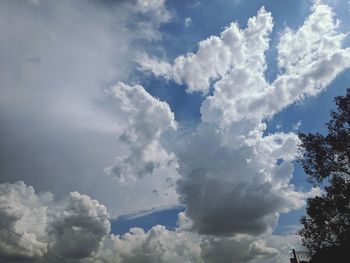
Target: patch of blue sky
<point>167,218</point>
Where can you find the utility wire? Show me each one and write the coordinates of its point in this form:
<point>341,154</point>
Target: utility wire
<point>10,233</point>
<point>11,238</point>
<point>19,239</point>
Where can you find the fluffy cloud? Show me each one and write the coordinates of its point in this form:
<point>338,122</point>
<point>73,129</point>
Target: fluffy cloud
<point>216,56</point>
<point>147,118</point>
<point>20,209</point>
<point>77,226</point>
<point>252,186</point>
<point>308,60</point>
<point>76,229</point>
<point>35,227</point>
<point>235,179</point>
<point>229,153</point>
<point>162,245</point>
<point>157,245</point>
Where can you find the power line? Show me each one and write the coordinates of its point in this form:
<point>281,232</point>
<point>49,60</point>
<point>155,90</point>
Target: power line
<point>7,236</point>
<point>174,204</point>
<point>49,256</point>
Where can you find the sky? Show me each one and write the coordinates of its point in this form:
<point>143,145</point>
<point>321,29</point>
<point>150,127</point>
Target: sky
<point>160,130</point>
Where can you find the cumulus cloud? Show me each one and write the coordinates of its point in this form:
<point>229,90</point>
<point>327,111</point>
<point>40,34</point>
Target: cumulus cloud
<point>162,245</point>
<point>217,55</point>
<point>235,179</point>
<point>240,249</point>
<point>228,152</point>
<point>33,226</point>
<point>252,185</point>
<point>76,229</point>
<point>157,245</point>
<point>77,226</point>
<point>20,209</point>
<point>147,118</point>
<point>308,60</point>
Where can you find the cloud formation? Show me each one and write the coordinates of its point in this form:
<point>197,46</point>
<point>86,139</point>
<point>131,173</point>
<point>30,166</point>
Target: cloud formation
<point>146,119</point>
<point>308,60</point>
<point>235,180</point>
<point>20,206</point>
<point>229,151</point>
<point>77,226</point>
<point>76,229</point>
<point>33,226</point>
<point>253,186</point>
<point>217,55</point>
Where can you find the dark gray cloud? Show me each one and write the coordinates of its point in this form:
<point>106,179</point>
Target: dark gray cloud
<point>244,249</point>
<point>77,227</point>
<point>236,188</point>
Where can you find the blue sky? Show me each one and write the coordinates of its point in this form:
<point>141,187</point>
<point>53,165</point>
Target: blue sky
<point>163,130</point>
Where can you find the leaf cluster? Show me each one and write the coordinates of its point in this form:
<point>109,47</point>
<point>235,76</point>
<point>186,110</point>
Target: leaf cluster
<point>326,231</point>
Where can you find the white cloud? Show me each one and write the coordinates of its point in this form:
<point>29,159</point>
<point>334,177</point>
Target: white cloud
<point>157,245</point>
<point>297,125</point>
<point>216,56</point>
<point>20,206</point>
<point>188,21</point>
<point>228,151</point>
<point>71,228</point>
<point>156,14</point>
<point>77,230</point>
<point>308,59</point>
<point>147,119</point>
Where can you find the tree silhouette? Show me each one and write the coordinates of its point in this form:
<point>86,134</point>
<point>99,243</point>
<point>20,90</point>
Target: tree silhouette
<point>326,231</point>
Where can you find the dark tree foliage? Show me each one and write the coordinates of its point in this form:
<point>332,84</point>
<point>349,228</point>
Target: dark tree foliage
<point>326,232</point>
